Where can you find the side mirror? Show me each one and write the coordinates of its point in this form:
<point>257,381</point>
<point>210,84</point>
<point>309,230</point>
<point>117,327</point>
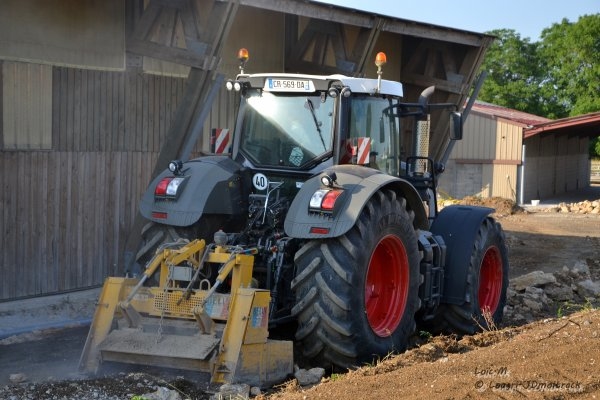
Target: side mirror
<point>456,126</point>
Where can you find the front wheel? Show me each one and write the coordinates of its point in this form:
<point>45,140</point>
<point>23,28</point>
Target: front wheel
<point>487,282</point>
<point>356,295</point>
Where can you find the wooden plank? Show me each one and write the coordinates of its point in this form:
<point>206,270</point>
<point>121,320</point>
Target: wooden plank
<point>117,110</point>
<point>4,189</point>
<point>97,250</point>
<point>139,100</point>
<point>20,224</point>
<point>8,214</point>
<point>111,116</point>
<point>39,202</point>
<point>26,206</point>
<point>12,226</point>
<point>131,115</point>
<point>152,99</point>
<point>1,107</point>
<point>145,115</point>
<point>92,227</point>
<point>68,103</point>
<point>168,109</point>
<point>102,111</point>
<point>111,196</point>
<point>120,111</point>
<point>77,107</point>
<point>56,144</point>
<point>84,116</point>
<point>52,227</point>
<point>80,190</point>
<point>65,218</point>
<point>117,182</point>
<point>62,124</point>
<point>160,98</point>
<point>104,257</point>
<point>97,110</point>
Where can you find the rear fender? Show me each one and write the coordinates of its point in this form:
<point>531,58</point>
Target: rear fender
<point>359,184</point>
<point>215,185</point>
<point>458,225</point>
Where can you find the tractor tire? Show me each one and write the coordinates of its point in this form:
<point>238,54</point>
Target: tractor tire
<point>357,295</point>
<point>487,282</point>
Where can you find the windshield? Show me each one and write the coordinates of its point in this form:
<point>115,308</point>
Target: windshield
<point>286,130</point>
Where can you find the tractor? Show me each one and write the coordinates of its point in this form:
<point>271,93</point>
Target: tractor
<point>333,210</point>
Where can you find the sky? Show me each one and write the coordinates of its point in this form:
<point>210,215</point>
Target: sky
<point>527,17</point>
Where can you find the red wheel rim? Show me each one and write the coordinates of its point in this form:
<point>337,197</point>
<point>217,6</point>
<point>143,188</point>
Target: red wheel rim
<point>490,280</point>
<point>386,288</point>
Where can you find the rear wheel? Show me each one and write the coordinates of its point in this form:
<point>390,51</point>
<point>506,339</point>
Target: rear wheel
<point>487,281</point>
<point>356,295</point>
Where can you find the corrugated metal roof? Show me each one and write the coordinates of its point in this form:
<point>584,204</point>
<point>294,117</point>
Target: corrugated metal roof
<point>519,117</point>
<point>585,125</point>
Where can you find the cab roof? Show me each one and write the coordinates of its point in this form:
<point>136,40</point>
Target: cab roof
<point>323,82</point>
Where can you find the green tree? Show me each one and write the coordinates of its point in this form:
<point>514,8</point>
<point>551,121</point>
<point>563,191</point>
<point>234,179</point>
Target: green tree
<point>571,53</point>
<point>557,77</point>
<point>514,74</point>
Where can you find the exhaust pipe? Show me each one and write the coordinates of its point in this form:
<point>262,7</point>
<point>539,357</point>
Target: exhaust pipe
<point>422,130</point>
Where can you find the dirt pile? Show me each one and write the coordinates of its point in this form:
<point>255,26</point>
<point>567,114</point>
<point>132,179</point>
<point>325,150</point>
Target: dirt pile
<point>501,205</point>
<point>550,359</point>
<point>505,207</point>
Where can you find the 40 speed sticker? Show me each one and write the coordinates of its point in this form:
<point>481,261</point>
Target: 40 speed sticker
<point>260,181</point>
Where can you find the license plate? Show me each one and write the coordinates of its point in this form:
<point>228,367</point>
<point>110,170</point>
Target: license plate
<point>288,85</point>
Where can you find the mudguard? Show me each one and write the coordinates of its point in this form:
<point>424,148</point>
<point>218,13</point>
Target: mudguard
<point>458,225</point>
<point>359,184</point>
<point>214,186</point>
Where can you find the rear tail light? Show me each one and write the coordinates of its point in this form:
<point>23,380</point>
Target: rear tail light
<point>169,188</point>
<point>323,200</point>
<point>329,200</point>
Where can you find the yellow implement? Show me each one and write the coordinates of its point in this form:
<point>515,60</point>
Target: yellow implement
<point>177,326</point>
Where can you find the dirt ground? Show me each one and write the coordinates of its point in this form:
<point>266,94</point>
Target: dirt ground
<point>555,357</point>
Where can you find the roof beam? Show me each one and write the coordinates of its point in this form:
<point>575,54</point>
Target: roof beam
<point>367,20</point>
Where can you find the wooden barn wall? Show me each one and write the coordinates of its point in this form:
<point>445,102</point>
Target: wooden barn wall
<point>64,216</point>
<point>112,111</point>
<point>65,212</point>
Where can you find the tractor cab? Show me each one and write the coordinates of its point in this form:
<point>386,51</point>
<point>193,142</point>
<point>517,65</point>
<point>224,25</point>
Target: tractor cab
<point>305,123</point>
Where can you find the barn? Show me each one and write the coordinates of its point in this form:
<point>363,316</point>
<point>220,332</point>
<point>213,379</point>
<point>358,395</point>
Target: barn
<point>519,156</point>
<point>98,95</point>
